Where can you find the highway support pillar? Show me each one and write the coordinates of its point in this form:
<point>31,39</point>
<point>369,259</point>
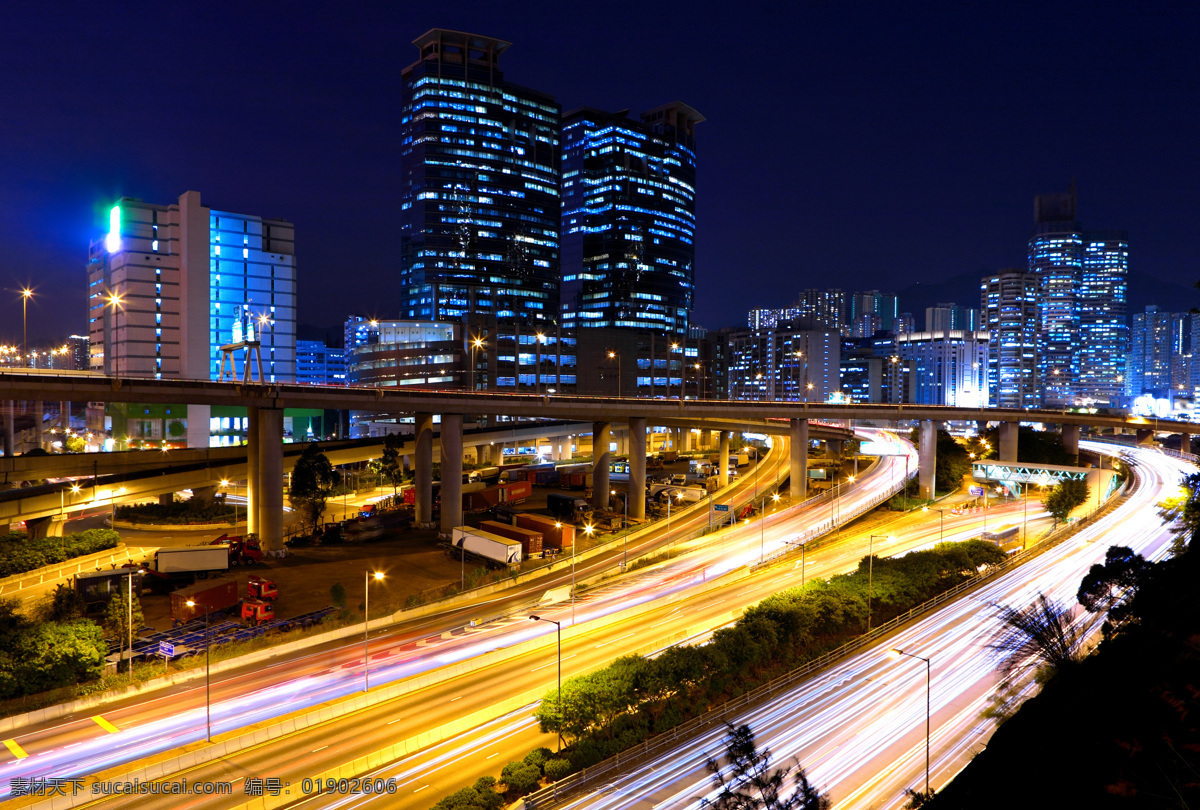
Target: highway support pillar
<point>636,494</point>
<point>1008,440</point>
<point>1185,442</point>
<point>270,479</point>
<point>423,476</point>
<point>495,454</point>
<point>723,460</point>
<point>927,451</point>
<point>833,448</point>
<point>38,438</point>
<point>601,438</point>
<point>49,526</point>
<point>1145,436</point>
<point>1070,440</point>
<point>798,459</point>
<point>64,419</point>
<point>10,440</point>
<point>166,499</point>
<point>452,472</point>
<point>251,471</point>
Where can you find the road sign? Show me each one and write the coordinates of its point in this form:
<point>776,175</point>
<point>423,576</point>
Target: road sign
<point>720,507</point>
<point>976,491</point>
<point>166,649</point>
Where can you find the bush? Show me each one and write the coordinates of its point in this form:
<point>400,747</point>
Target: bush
<point>481,796</point>
<point>538,756</point>
<point>193,510</point>
<point>556,769</point>
<point>520,778</point>
<point>19,553</point>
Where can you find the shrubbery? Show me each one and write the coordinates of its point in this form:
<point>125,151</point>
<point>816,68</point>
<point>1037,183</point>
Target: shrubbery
<point>19,553</point>
<point>180,512</point>
<point>37,656</point>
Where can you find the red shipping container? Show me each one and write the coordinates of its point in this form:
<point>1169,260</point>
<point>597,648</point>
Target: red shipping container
<point>555,534</point>
<point>531,541</point>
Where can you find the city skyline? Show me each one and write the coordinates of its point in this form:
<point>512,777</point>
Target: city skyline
<point>907,149</point>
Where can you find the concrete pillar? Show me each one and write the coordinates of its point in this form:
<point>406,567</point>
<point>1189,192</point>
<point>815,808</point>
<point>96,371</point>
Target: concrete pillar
<point>204,493</point>
<point>496,454</point>
<point>64,419</point>
<point>637,467</point>
<point>1008,440</point>
<point>423,479</point>
<point>723,460</point>
<point>1070,440</point>
<point>10,441</point>
<point>798,459</point>
<point>927,451</point>
<point>38,439</point>
<point>269,502</point>
<point>1185,442</point>
<point>833,448</point>
<point>166,499</point>
<point>601,436</point>
<point>50,526</point>
<point>452,470</point>
<point>251,471</point>
<point>1145,436</point>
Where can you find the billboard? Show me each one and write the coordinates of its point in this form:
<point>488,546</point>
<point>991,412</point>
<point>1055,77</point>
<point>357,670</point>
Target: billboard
<point>871,448</point>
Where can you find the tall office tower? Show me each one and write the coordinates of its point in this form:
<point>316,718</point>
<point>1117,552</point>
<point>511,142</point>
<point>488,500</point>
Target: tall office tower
<point>629,219</point>
<point>784,364</point>
<point>943,317</point>
<point>78,353</point>
<point>479,198</point>
<point>1009,304</point>
<point>1157,339</point>
<point>825,308</point>
<point>170,284</point>
<point>873,302</point>
<point>1056,257</point>
<point>948,367</point>
<point>1103,329</point>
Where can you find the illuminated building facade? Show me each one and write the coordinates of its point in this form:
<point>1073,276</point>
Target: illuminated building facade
<point>629,219</point>
<point>1103,328</point>
<point>1009,306</point>
<point>948,367</point>
<point>479,186</point>
<point>784,364</point>
<point>1154,366</point>
<point>318,364</point>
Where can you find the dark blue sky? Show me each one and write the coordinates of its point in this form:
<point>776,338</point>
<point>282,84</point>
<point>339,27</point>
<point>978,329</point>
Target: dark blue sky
<point>859,145</point>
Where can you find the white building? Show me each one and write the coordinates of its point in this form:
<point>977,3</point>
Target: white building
<point>948,367</point>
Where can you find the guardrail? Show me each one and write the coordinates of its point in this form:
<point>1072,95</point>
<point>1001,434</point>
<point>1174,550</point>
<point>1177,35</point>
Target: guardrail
<point>95,561</point>
<point>547,796</point>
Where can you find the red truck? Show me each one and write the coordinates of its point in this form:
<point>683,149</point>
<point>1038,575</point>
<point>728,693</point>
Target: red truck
<point>499,495</point>
<point>214,594</point>
<point>242,550</point>
<point>261,588</point>
<point>257,611</point>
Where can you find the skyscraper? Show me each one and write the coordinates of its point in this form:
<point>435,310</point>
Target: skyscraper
<point>1157,340</point>
<point>1103,328</point>
<point>479,186</point>
<point>1009,301</point>
<point>629,219</point>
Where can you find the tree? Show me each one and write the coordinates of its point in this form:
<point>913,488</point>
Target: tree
<point>312,483</point>
<point>63,605</point>
<point>752,785</point>
<point>389,464</point>
<point>1111,587</point>
<point>1042,633</point>
<point>117,622</point>
<point>76,444</point>
<point>1065,497</point>
<point>1184,510</point>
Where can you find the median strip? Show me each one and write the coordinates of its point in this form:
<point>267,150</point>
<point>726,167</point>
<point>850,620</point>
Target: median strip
<point>104,724</point>
<point>17,751</point>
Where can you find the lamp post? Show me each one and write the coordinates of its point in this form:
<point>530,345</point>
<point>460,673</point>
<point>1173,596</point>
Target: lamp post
<point>225,483</point>
<point>558,525</point>
<point>476,344</point>
<point>115,301</point>
<point>207,680</point>
<point>674,348</point>
<point>611,355</point>
<point>367,622</point>
<point>896,653</point>
<point>558,630</point>
<point>625,527</point>
<point>26,294</point>
<point>537,365</point>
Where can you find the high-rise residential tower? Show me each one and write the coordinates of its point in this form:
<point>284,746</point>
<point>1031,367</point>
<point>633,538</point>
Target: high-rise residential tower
<point>629,219</point>
<point>479,186</point>
<point>1008,301</point>
<point>1103,328</point>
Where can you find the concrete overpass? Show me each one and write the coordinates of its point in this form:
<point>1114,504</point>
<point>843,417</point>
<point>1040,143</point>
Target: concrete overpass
<point>265,404</point>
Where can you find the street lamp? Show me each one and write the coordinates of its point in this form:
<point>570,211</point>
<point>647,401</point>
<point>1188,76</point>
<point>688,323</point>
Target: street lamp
<point>225,483</point>
<point>476,344</point>
<point>612,355</point>
<point>625,526</point>
<point>674,348</point>
<point>367,621</point>
<point>896,653</point>
<point>558,525</point>
<point>942,515</point>
<point>558,629</point>
<point>207,680</point>
<point>26,294</point>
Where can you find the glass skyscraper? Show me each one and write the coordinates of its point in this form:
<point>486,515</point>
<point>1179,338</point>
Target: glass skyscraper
<point>1009,301</point>
<point>479,196</point>
<point>1103,328</point>
<point>629,219</point>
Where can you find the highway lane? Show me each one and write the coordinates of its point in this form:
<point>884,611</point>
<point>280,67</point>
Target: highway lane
<point>272,679</point>
<point>627,590</point>
<point>858,728</point>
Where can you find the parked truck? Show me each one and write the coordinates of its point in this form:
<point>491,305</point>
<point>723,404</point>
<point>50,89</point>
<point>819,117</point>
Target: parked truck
<point>182,565</point>
<point>491,547</point>
<point>555,534</point>
<point>531,540</point>
<point>215,595</point>
<point>568,508</point>
<point>498,495</point>
<point>242,550</point>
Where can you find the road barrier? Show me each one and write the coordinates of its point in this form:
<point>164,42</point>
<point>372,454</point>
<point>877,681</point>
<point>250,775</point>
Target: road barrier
<point>50,574</point>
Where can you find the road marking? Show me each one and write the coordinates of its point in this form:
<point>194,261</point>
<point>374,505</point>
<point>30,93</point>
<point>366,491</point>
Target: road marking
<point>615,640</point>
<point>418,790</point>
<point>457,698</point>
<point>495,755</point>
<point>104,724</point>
<point>398,719</point>
<point>552,663</point>
<point>17,751</point>
<point>322,748</point>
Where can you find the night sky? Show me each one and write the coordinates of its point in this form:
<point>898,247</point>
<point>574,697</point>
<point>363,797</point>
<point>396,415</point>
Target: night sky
<point>858,145</point>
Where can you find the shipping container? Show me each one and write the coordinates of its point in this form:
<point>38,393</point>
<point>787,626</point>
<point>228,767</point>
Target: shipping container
<point>215,594</point>
<point>530,540</point>
<point>555,533</point>
<point>493,547</point>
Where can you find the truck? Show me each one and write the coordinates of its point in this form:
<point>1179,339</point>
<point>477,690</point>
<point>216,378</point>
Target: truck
<point>531,541</point>
<point>654,463</point>
<point>242,550</point>
<point>257,611</point>
<point>498,495</point>
<point>488,475</point>
<point>670,455</point>
<point>568,508</point>
<point>700,467</point>
<point>215,595</point>
<point>491,547</point>
<point>185,564</point>
<point>678,495</point>
<point>575,480</point>
<point>740,460</point>
<point>555,534</point>
<point>261,588</point>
